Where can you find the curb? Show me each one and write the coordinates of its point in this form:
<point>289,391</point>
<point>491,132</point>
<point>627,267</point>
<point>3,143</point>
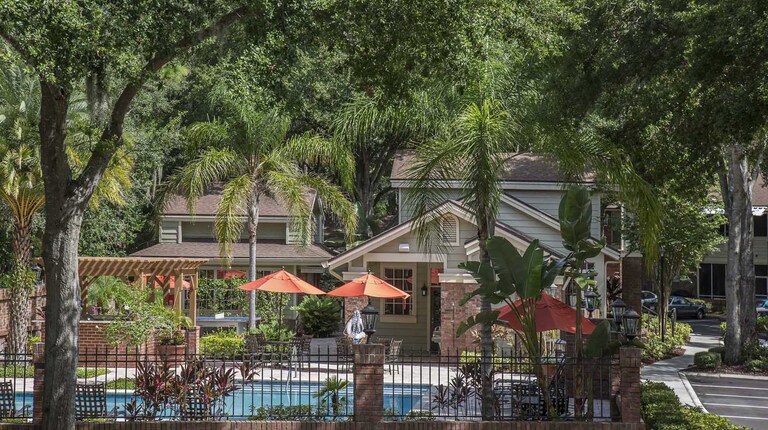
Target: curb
<point>691,392</point>
<point>725,375</point>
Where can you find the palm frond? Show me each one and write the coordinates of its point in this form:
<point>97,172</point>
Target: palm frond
<point>313,149</point>
<point>334,202</point>
<point>237,194</point>
<point>286,182</point>
<point>208,134</point>
<point>191,181</point>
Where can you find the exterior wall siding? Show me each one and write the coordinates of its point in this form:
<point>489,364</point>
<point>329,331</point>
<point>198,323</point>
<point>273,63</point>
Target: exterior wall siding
<point>206,230</point>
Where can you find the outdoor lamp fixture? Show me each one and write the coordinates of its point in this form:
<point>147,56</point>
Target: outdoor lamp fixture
<point>631,324</point>
<point>424,290</point>
<point>591,300</point>
<point>617,310</point>
<point>370,314</point>
<point>38,271</point>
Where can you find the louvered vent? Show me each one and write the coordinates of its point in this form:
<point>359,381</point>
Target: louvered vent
<point>450,230</point>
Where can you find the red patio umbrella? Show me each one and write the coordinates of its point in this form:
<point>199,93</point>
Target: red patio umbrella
<point>551,314</point>
<point>282,282</point>
<point>369,286</point>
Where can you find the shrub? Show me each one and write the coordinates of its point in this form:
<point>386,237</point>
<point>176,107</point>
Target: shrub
<point>31,341</point>
<point>122,384</point>
<point>285,413</point>
<point>655,349</point>
<point>754,351</point>
<point>319,316</point>
<point>707,360</point>
<point>719,350</point>
<point>217,295</point>
<point>762,324</point>
<point>86,372</point>
<point>757,365</point>
<point>224,344</point>
<point>722,329</point>
<point>273,331</point>
<point>661,410</point>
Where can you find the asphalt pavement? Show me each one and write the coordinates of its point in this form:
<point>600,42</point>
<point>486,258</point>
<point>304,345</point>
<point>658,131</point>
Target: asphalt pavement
<point>740,398</point>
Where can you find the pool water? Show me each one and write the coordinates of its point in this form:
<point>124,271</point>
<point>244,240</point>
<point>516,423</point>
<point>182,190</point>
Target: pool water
<point>247,399</point>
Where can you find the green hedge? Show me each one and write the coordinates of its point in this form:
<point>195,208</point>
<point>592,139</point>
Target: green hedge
<point>662,410</point>
<point>707,360</point>
<point>223,344</point>
<point>654,348</point>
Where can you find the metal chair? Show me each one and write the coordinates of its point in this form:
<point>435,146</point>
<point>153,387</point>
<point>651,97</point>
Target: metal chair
<point>8,402</point>
<point>392,357</point>
<point>91,402</point>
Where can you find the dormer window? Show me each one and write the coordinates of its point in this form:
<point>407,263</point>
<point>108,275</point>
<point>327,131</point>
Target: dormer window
<point>449,228</point>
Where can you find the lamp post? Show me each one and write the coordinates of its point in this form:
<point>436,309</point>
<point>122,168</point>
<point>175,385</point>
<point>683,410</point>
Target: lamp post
<point>617,311</point>
<point>590,298</point>
<point>370,314</point>
<point>631,322</point>
<point>662,290</point>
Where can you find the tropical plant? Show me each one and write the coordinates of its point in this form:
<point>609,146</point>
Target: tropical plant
<point>319,316</point>
<point>333,393</point>
<point>145,315</point>
<point>222,344</point>
<point>21,185</point>
<point>248,150</point>
<point>274,331</point>
<point>110,294</point>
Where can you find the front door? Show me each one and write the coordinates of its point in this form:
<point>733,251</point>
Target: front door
<point>434,320</point>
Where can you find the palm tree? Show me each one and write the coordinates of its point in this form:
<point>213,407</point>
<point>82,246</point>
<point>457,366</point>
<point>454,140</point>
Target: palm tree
<point>248,151</point>
<point>21,184</point>
<point>473,150</point>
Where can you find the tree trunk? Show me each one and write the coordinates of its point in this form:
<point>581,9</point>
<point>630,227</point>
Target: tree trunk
<point>63,216</point>
<point>253,223</point>
<point>736,188</point>
<point>20,312</point>
<point>486,335</point>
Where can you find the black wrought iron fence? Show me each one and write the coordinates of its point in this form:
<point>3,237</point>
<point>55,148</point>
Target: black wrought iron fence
<point>285,381</point>
<point>16,387</point>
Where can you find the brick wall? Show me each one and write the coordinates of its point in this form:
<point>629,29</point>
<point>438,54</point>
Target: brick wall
<point>36,301</point>
<point>452,314</point>
<point>295,425</point>
<point>632,281</point>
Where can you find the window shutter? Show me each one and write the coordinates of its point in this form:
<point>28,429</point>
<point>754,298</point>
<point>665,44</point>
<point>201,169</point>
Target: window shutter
<point>450,230</point>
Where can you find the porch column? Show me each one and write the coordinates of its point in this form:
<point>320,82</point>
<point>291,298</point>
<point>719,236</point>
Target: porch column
<point>178,287</point>
<point>193,298</point>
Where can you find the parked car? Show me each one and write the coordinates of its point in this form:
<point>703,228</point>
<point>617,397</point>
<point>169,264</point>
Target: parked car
<point>686,308</point>
<point>762,308</point>
<point>649,300</point>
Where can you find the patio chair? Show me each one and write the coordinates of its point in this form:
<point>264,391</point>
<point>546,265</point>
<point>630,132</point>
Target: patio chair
<point>256,345</point>
<point>91,402</point>
<point>8,402</point>
<point>344,354</point>
<point>392,358</point>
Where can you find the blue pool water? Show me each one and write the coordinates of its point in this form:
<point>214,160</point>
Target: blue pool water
<point>244,401</point>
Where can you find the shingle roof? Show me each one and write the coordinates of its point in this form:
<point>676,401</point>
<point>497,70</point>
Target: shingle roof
<point>522,167</point>
<point>239,250</point>
<point>207,204</point>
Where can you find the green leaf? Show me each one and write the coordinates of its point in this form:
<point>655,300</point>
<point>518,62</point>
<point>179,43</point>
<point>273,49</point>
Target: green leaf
<point>599,340</point>
<point>575,214</point>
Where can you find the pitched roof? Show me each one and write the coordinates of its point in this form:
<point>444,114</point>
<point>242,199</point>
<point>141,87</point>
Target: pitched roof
<point>210,250</point>
<point>521,167</point>
<point>208,203</point>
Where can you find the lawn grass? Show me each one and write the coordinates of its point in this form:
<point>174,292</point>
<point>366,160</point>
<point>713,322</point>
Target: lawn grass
<point>122,384</point>
<point>84,372</point>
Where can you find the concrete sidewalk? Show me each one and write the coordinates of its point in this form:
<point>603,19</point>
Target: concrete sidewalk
<point>668,371</point>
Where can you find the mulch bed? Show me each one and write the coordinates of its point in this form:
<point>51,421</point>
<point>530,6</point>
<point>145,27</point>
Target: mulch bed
<point>731,370</point>
<point>676,353</point>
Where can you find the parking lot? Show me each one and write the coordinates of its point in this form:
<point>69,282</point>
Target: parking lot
<point>742,401</point>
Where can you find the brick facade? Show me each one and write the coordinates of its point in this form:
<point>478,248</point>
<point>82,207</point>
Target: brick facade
<point>632,277</point>
<point>452,314</point>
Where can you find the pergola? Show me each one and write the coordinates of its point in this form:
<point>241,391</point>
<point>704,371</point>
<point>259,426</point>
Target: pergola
<point>156,271</point>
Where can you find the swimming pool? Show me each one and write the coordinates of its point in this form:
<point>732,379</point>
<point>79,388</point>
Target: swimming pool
<point>248,398</point>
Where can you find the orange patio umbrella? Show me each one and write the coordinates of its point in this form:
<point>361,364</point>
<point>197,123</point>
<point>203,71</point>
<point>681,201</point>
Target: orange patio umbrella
<point>369,286</point>
<point>282,282</point>
<point>551,314</point>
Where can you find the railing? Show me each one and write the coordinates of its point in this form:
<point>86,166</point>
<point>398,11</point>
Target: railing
<point>16,387</point>
<point>282,383</point>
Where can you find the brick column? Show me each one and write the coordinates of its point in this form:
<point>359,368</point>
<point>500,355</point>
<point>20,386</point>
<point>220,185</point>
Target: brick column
<point>629,384</point>
<point>453,314</point>
<point>193,340</point>
<point>369,383</point>
<point>38,388</point>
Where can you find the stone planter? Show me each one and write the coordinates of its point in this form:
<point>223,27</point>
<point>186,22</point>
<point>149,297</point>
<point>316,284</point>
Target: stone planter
<point>171,354</point>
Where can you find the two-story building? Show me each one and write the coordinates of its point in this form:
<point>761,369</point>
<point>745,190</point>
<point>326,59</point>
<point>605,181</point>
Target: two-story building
<point>529,208</point>
<point>183,235</point>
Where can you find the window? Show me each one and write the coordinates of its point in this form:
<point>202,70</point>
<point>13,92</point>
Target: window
<point>450,230</point>
<point>761,225</point>
<point>402,279</point>
<point>761,280</point>
<point>712,280</point>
